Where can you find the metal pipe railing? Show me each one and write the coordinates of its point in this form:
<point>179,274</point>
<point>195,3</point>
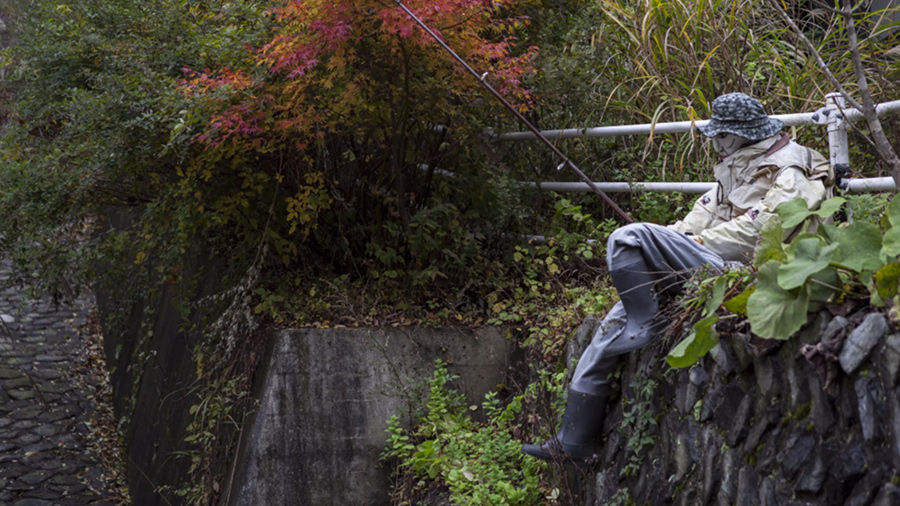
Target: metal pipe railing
<point>861,185</point>
<point>870,185</point>
<point>804,118</point>
<point>834,115</point>
<point>562,186</point>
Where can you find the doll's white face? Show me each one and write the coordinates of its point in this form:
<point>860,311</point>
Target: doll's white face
<point>725,144</point>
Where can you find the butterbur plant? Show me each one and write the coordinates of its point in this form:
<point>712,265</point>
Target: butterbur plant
<point>859,259</point>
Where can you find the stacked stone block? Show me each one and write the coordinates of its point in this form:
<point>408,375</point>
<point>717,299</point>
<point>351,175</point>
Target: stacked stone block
<point>757,423</point>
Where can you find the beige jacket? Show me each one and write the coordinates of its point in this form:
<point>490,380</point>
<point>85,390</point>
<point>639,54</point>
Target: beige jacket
<point>751,183</point>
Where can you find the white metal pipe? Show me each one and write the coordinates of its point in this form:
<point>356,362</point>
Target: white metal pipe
<point>880,110</point>
<point>803,118</point>
<point>870,185</point>
<point>607,131</point>
<point>838,146</point>
<point>626,187</point>
<point>861,185</point>
<point>441,172</point>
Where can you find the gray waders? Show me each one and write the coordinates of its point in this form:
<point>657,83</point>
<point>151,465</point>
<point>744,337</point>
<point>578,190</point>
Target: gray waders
<point>642,258</point>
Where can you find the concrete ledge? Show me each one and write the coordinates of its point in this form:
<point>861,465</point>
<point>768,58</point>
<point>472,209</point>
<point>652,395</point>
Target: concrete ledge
<point>325,396</point>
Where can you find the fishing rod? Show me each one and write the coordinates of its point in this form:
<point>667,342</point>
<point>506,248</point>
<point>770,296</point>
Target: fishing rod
<point>520,117</point>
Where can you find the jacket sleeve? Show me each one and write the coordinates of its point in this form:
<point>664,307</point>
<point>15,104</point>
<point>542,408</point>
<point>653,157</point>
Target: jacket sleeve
<point>701,216</point>
<point>736,239</point>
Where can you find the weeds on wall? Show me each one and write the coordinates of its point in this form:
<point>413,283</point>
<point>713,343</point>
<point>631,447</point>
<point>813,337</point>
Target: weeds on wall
<point>217,420</point>
<point>225,359</point>
<point>638,423</point>
<point>451,456</point>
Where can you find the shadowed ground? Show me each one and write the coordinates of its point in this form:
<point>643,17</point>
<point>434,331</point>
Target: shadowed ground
<point>55,443</point>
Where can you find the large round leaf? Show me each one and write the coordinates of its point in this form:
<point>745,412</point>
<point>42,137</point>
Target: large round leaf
<point>893,212</point>
<point>773,311</point>
<point>696,345</point>
<point>771,243</point>
<point>890,247</point>
<point>887,279</point>
<point>738,303</point>
<point>793,212</point>
<point>859,246</point>
<point>806,257</point>
<point>822,285</point>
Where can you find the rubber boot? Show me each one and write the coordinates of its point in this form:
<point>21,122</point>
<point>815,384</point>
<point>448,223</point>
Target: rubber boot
<point>635,285</point>
<point>579,431</point>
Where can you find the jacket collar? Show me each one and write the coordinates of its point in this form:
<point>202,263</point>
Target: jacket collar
<point>745,155</point>
<point>742,163</point>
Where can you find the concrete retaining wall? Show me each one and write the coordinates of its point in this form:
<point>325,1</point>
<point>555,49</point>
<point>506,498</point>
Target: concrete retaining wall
<point>325,398</point>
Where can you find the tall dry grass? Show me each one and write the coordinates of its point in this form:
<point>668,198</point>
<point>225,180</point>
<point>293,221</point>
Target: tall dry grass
<point>665,60</point>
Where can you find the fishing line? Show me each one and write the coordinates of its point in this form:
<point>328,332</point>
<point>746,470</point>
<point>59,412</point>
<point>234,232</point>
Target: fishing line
<point>480,77</point>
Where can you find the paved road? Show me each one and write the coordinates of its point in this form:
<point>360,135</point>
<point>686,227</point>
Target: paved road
<point>48,402</point>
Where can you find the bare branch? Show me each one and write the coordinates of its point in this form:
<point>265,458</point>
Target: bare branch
<point>867,107</point>
<point>815,52</point>
<point>882,145</point>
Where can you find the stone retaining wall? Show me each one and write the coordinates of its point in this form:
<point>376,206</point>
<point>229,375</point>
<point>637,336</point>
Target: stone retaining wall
<point>757,423</point>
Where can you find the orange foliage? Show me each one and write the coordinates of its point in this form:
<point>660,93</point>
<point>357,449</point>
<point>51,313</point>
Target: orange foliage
<point>336,66</point>
<point>333,117</point>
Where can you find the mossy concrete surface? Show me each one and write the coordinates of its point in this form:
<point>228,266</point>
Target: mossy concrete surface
<point>325,397</point>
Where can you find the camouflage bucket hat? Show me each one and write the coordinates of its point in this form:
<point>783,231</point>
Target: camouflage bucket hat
<point>740,114</point>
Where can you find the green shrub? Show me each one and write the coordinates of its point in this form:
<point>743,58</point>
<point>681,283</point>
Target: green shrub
<point>561,279</point>
<point>476,463</point>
